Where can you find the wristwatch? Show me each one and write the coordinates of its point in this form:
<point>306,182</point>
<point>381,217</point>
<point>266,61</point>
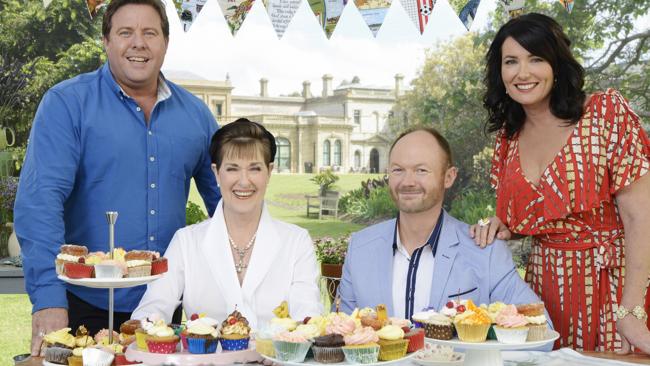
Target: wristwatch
<point>638,312</point>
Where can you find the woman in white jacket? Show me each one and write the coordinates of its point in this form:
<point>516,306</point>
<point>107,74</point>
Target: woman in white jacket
<point>241,257</point>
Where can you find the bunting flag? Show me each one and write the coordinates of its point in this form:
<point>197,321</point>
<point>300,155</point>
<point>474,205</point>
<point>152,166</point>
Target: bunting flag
<point>94,6</point>
<point>513,8</point>
<point>419,11</point>
<point>328,13</point>
<point>235,12</point>
<point>373,12</point>
<point>568,5</point>
<point>281,12</point>
<point>468,12</point>
<point>46,3</point>
<point>188,11</point>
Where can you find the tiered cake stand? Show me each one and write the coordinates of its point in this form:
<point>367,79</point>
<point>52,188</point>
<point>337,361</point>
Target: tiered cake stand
<point>310,361</point>
<point>489,353</point>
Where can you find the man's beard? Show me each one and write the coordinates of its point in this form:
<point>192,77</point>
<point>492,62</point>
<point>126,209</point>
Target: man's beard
<point>413,206</point>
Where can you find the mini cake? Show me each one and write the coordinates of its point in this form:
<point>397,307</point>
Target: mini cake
<point>158,266</point>
<point>69,253</point>
<point>327,348</point>
<point>127,331</point>
<point>78,269</point>
<point>438,326</point>
<point>392,344</point>
<point>235,332</point>
<point>138,263</point>
<point>415,337</point>
<point>291,346</point>
<point>59,345</point>
<point>473,324</point>
<point>537,324</point>
<point>361,346</point>
<point>511,327</point>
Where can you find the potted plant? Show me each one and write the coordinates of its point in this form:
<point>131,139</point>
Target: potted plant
<point>8,188</point>
<point>325,181</point>
<point>330,252</point>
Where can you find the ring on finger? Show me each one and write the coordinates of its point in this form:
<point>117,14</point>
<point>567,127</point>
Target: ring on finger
<point>484,222</point>
<point>41,334</point>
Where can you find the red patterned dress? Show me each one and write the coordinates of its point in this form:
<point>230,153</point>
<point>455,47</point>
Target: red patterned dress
<point>577,259</point>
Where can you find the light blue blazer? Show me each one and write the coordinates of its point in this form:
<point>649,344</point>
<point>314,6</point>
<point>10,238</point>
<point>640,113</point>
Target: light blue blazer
<point>461,270</point>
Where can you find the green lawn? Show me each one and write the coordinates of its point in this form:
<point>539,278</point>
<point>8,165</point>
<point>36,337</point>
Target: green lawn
<point>285,197</point>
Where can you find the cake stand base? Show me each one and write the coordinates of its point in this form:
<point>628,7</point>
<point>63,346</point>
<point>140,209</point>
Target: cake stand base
<point>476,357</point>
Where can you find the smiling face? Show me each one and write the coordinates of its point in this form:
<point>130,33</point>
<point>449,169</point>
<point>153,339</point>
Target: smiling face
<point>136,47</point>
<point>528,79</point>
<point>419,173</point>
<point>243,180</point>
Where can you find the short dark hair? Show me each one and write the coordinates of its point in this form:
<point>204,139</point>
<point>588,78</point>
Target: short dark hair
<point>114,5</point>
<point>442,141</point>
<point>542,36</point>
<point>242,138</point>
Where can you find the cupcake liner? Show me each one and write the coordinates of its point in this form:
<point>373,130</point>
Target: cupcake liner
<point>392,350</point>
<point>361,354</point>
<point>474,333</point>
<point>57,355</point>
<point>437,331</point>
<point>491,333</point>
<point>416,340</point>
<point>162,346</point>
<point>536,332</point>
<point>202,345</point>
<point>139,271</point>
<point>265,347</point>
<point>75,361</point>
<point>291,351</point>
<point>511,335</point>
<point>107,271</point>
<point>78,270</point>
<point>233,344</point>
<point>96,357</point>
<point>328,354</point>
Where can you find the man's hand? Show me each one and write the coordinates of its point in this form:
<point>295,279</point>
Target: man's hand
<point>634,332</point>
<point>485,234</point>
<point>45,321</point>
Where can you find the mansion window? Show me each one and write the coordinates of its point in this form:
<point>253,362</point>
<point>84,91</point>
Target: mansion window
<point>357,116</point>
<point>326,153</point>
<point>357,159</point>
<point>218,109</point>
<point>337,152</point>
<point>283,154</point>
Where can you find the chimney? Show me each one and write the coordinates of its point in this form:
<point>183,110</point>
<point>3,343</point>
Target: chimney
<point>264,87</point>
<point>327,85</point>
<point>306,89</point>
<point>398,84</point>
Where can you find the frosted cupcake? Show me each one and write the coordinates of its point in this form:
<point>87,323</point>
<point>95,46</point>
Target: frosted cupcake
<point>264,339</point>
<point>511,327</point>
<point>340,323</point>
<point>291,346</point>
<point>201,337</point>
<point>392,344</point>
<point>161,338</point>
<point>537,324</point>
<point>473,324</point>
<point>327,349</point>
<point>235,332</point>
<point>438,326</point>
<point>59,346</point>
<point>419,317</point>
<point>361,346</point>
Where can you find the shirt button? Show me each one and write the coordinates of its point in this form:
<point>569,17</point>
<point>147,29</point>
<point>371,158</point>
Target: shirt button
<point>152,158</point>
<point>138,109</point>
<point>153,212</point>
<point>153,185</point>
<point>150,133</point>
<point>152,238</point>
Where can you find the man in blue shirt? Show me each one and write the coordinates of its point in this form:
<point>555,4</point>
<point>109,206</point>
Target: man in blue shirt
<point>121,138</point>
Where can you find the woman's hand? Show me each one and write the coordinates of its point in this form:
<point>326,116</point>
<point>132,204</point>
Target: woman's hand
<point>633,332</point>
<point>486,233</point>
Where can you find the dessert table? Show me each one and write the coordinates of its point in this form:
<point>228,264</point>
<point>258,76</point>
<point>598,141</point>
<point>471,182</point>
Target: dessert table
<point>560,357</point>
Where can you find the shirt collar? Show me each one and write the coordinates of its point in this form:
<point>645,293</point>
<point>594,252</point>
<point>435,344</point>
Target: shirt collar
<point>433,236</point>
<point>164,92</point>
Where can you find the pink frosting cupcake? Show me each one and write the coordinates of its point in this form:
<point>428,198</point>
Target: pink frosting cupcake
<point>511,327</point>
<point>363,335</point>
<point>340,324</point>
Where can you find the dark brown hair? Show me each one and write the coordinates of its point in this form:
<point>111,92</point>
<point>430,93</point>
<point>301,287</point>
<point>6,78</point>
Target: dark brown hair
<point>114,5</point>
<point>242,138</point>
<point>542,36</point>
<point>442,141</point>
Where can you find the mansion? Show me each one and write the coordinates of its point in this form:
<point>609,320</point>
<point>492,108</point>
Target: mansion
<point>343,128</point>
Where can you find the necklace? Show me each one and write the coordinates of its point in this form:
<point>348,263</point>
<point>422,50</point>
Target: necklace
<point>241,252</point>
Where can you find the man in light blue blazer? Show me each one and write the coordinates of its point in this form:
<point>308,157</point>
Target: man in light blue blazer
<point>425,257</point>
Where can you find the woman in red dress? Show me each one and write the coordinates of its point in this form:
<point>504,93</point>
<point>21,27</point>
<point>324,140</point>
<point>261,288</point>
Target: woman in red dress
<point>572,172</point>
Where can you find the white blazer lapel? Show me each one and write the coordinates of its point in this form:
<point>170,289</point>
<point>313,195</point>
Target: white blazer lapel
<point>216,247</point>
<point>267,246</point>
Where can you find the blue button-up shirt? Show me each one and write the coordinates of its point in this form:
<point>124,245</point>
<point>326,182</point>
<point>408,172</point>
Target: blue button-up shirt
<point>91,151</point>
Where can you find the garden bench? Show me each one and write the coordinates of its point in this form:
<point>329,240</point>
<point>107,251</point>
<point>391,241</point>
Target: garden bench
<point>323,205</point>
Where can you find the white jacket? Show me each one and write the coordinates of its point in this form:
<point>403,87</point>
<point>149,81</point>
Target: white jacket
<point>202,270</point>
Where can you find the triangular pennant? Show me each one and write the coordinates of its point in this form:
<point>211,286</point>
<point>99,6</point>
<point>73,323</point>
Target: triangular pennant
<point>94,6</point>
<point>46,3</point>
<point>281,12</point>
<point>188,11</point>
<point>235,12</point>
<point>373,12</point>
<point>513,8</point>
<point>318,7</point>
<point>350,26</point>
<point>568,5</point>
<point>467,13</point>
<point>419,11</point>
<point>446,25</point>
<point>328,13</point>
<point>397,26</point>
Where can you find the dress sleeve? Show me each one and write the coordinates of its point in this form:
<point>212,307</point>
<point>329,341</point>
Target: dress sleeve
<point>628,146</point>
<point>498,158</point>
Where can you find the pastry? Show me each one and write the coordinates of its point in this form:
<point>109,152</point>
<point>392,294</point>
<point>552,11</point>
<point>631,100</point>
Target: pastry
<point>327,348</point>
<point>235,332</point>
<point>291,346</point>
<point>511,327</point>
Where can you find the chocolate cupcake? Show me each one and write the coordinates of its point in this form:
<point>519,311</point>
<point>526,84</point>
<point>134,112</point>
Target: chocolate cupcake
<point>327,349</point>
<point>58,353</point>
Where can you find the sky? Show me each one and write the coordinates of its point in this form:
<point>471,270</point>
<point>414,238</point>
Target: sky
<point>304,53</point>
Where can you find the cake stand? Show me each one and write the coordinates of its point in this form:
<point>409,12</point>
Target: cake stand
<point>185,358</point>
<point>310,361</point>
<point>488,353</point>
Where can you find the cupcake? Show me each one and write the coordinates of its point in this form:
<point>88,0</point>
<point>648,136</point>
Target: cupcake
<point>537,324</point>
<point>159,266</point>
<point>69,254</point>
<point>97,357</point>
<point>76,358</point>
<point>264,339</point>
<point>101,338</point>
<point>438,326</point>
<point>59,345</point>
<point>235,332</point>
<point>327,348</point>
<point>127,331</point>
<point>161,338</point>
<point>361,346</point>
<point>283,318</point>
<point>392,344</point>
<point>511,327</point>
<point>415,337</point>
<point>376,320</point>
<point>291,346</point>
<point>340,323</point>
<point>473,324</point>
<point>419,317</point>
<point>202,336</point>
<point>79,269</point>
